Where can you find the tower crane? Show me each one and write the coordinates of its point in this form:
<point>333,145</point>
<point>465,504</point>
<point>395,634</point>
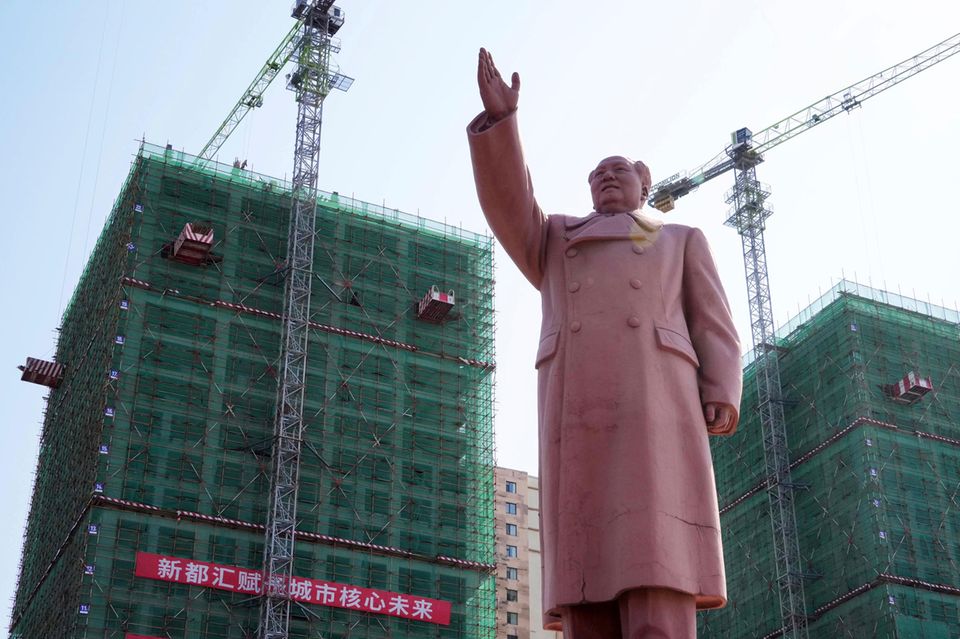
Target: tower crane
<point>252,98</point>
<point>310,44</point>
<point>748,214</point>
<point>311,81</point>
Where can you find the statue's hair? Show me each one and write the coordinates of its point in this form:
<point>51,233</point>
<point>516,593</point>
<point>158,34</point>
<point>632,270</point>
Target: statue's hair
<point>644,171</point>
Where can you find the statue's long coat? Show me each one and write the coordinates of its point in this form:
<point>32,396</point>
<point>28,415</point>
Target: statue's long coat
<point>636,336</point>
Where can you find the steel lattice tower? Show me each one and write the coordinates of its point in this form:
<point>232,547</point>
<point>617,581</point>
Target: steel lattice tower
<point>312,82</point>
<point>748,215</point>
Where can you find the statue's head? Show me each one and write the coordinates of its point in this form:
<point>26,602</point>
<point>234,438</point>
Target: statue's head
<point>619,184</point>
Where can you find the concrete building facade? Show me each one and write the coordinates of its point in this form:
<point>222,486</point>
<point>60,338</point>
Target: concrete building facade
<point>517,517</point>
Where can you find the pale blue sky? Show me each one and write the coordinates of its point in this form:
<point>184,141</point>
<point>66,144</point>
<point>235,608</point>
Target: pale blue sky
<point>871,195</point>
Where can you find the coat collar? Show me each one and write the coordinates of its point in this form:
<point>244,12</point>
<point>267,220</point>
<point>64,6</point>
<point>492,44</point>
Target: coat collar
<point>612,226</point>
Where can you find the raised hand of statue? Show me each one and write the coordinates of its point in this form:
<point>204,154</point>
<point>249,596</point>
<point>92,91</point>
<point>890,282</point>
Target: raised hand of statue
<point>499,100</point>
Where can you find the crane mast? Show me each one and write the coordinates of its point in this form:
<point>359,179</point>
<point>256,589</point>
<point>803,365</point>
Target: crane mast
<point>748,215</point>
<point>312,80</point>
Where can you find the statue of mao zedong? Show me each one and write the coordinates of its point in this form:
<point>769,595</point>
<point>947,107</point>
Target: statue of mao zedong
<point>638,363</point>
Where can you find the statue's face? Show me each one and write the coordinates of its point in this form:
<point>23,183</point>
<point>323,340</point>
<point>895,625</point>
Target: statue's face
<point>616,186</point>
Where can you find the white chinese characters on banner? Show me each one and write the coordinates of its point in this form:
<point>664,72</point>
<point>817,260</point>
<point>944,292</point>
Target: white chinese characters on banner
<point>197,573</point>
<point>349,598</point>
<point>316,591</point>
<point>422,609</point>
<point>223,578</point>
<point>301,589</point>
<point>326,594</point>
<point>399,605</point>
<point>168,569</point>
<point>248,581</point>
<point>374,603</point>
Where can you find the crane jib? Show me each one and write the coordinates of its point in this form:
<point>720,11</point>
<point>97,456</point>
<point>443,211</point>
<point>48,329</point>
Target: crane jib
<point>842,101</point>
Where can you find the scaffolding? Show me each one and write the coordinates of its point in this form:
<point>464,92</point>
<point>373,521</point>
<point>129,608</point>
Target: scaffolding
<point>159,438</point>
<point>876,480</point>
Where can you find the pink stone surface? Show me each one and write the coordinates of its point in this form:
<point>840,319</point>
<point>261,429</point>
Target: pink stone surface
<point>636,344</point>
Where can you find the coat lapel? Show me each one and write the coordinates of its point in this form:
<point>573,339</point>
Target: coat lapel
<point>617,226</point>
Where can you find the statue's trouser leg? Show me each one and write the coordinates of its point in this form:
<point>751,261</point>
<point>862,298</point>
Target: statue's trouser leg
<point>644,613</point>
<point>591,621</point>
<point>657,613</point>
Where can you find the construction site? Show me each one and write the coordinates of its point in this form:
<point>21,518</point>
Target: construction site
<point>158,438</point>
<point>871,396</point>
<point>271,415</point>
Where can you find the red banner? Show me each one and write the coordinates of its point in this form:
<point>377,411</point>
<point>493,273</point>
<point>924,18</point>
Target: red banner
<point>316,591</point>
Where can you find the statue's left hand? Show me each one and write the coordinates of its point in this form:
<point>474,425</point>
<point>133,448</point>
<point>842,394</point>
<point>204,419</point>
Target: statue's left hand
<point>720,417</point>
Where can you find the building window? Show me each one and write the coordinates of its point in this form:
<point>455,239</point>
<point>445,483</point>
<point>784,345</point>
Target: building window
<point>512,573</point>
<point>511,508</point>
<point>513,618</point>
<point>512,637</point>
<point>512,530</point>
<point>511,486</point>
<point>511,551</point>
<point>511,595</point>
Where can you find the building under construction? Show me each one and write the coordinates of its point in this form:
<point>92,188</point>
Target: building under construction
<point>152,489</point>
<point>871,397</point>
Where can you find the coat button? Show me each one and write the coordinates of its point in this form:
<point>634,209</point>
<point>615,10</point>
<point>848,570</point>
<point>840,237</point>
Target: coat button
<point>633,321</point>
<point>575,326</point>
<point>573,287</point>
<point>638,249</point>
<point>572,252</point>
<point>635,283</point>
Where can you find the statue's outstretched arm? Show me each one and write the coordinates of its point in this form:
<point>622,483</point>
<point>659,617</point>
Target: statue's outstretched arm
<point>500,172</point>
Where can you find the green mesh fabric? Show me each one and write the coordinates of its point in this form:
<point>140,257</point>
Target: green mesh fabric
<point>877,505</point>
<point>160,438</point>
